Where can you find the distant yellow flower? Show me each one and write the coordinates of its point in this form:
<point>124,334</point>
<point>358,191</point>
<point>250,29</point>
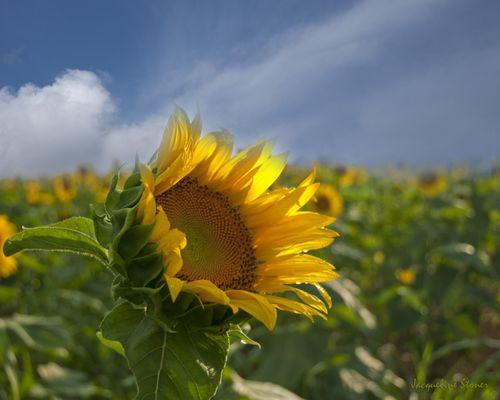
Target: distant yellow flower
<point>347,176</point>
<point>34,194</point>
<point>378,257</point>
<point>9,185</point>
<point>459,173</point>
<point>328,201</point>
<point>8,265</point>
<point>431,183</point>
<point>405,276</point>
<point>223,235</point>
<point>85,176</point>
<point>64,188</point>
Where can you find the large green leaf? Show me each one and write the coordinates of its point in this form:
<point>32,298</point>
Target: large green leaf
<point>186,364</point>
<point>74,234</point>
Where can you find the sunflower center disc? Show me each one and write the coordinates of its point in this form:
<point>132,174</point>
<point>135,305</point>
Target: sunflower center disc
<point>219,245</point>
<point>322,203</point>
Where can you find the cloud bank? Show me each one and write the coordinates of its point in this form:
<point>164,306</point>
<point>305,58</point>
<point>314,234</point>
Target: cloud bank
<point>74,120</point>
<point>55,127</point>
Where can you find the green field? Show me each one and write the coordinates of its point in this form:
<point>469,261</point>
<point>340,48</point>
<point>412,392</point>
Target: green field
<point>415,314</point>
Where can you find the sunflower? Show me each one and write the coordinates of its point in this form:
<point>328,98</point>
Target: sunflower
<point>64,188</point>
<point>347,176</point>
<point>223,235</point>
<point>35,195</point>
<point>431,183</point>
<point>406,275</point>
<point>8,265</point>
<point>328,201</point>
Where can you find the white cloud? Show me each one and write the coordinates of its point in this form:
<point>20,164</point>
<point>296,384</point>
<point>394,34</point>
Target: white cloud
<point>74,120</point>
<point>55,127</point>
<point>123,142</point>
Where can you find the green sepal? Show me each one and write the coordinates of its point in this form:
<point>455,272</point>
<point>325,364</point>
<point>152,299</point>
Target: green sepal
<point>133,240</point>
<point>113,195</point>
<point>142,270</point>
<point>149,248</point>
<point>129,197</point>
<point>189,310</point>
<point>221,314</point>
<point>121,289</point>
<point>102,226</point>
<point>121,220</point>
<point>112,344</point>
<point>240,318</point>
<point>139,295</point>
<point>236,334</point>
<point>133,180</point>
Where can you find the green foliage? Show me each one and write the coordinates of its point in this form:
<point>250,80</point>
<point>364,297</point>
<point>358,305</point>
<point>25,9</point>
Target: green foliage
<point>382,335</point>
<point>177,364</point>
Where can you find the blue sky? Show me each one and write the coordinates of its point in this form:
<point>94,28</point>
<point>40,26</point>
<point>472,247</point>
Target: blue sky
<point>413,82</point>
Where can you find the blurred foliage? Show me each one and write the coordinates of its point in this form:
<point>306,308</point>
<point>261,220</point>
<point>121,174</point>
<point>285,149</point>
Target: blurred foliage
<point>415,311</point>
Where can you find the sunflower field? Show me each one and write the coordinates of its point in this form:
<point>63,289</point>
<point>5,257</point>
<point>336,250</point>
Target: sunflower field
<point>415,308</point>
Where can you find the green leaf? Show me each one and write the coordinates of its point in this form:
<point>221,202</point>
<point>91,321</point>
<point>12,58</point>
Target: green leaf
<point>79,224</point>
<point>463,345</point>
<point>63,383</point>
<point>186,364</point>
<point>74,234</point>
<point>45,334</point>
<point>10,372</point>
<point>8,293</point>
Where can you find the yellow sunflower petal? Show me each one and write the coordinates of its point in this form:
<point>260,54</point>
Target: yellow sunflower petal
<point>289,229</point>
<point>294,306</point>
<point>277,205</point>
<point>162,225</point>
<point>326,296</point>
<point>176,139</point>
<point>147,207</point>
<point>175,286</point>
<point>171,240</point>
<point>207,291</point>
<point>294,269</point>
<point>195,126</point>
<point>206,169</point>
<point>147,176</point>
<point>173,261</point>
<point>204,149</point>
<point>267,174</point>
<point>310,299</point>
<point>175,171</point>
<point>310,240</point>
<point>254,304</point>
<point>240,165</point>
